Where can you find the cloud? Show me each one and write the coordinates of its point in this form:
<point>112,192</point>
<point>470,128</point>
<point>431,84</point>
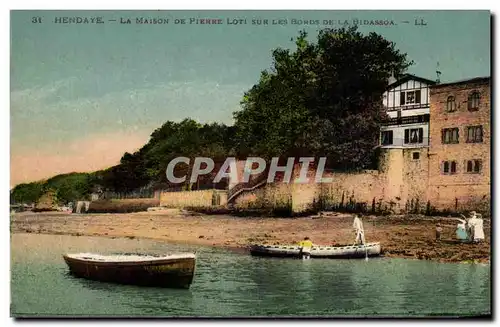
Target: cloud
<point>54,112</point>
<point>58,128</point>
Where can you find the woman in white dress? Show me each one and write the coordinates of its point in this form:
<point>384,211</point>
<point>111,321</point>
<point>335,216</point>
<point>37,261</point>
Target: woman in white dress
<point>475,225</point>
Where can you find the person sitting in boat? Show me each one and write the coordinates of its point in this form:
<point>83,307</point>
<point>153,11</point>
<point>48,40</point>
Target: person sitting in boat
<point>305,248</point>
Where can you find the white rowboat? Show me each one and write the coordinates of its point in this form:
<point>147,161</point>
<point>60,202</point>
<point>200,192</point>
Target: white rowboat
<point>332,252</point>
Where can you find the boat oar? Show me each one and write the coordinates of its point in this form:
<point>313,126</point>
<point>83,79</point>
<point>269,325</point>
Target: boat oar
<point>364,243</point>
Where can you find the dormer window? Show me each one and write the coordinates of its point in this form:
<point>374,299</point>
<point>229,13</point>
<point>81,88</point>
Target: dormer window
<point>473,101</point>
<point>409,97</point>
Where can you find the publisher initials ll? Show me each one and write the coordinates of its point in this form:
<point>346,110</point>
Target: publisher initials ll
<point>420,22</point>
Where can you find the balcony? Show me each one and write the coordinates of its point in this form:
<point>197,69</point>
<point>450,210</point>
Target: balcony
<point>409,107</point>
<point>400,143</point>
<point>407,120</point>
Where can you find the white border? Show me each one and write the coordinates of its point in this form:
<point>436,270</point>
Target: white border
<point>258,4</point>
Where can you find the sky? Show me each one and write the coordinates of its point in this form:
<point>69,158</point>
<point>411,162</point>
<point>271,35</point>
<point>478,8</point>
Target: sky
<point>83,94</point>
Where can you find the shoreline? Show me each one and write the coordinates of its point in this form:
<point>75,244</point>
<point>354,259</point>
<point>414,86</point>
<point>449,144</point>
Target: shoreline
<point>235,249</point>
<point>400,236</point>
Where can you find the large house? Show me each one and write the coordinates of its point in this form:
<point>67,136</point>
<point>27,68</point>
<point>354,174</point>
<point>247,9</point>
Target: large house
<point>407,103</point>
<point>460,151</point>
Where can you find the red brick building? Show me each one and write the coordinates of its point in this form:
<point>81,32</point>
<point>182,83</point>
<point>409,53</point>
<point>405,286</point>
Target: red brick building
<point>460,144</point>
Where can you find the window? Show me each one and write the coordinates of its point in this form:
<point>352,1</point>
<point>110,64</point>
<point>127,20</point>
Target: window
<point>473,102</point>
<point>450,104</point>
<point>416,155</point>
<point>386,137</point>
<point>449,167</point>
<point>409,97</point>
<point>414,135</point>
<point>474,134</point>
<point>453,167</point>
<point>473,166</point>
<point>449,135</point>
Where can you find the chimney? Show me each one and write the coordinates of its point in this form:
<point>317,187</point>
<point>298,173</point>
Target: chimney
<point>391,79</point>
<point>438,74</point>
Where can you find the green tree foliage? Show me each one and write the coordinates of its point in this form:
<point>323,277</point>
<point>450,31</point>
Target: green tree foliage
<point>66,188</point>
<point>26,193</point>
<point>147,166</point>
<point>323,99</point>
<point>70,187</point>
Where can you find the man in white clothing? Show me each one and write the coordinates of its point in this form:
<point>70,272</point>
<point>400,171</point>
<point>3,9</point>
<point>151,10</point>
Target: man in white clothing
<point>358,228</point>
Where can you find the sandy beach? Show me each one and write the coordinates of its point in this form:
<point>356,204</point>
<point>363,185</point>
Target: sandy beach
<point>400,236</point>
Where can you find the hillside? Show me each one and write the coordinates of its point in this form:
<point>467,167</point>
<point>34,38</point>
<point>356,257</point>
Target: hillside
<point>144,169</point>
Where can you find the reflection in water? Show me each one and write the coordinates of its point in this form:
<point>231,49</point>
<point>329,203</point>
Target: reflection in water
<point>229,284</point>
<point>308,287</point>
<point>148,301</point>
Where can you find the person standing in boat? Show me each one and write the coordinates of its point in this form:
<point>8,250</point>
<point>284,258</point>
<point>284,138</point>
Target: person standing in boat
<point>359,230</point>
<point>305,248</point>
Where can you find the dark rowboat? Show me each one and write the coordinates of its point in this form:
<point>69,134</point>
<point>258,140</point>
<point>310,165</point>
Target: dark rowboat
<point>331,252</point>
<point>173,271</point>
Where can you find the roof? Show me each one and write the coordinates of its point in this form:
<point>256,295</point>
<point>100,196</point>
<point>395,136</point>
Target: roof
<point>409,77</point>
<point>464,81</point>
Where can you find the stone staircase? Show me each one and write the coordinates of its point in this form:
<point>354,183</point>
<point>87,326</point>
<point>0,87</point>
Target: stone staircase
<point>255,182</point>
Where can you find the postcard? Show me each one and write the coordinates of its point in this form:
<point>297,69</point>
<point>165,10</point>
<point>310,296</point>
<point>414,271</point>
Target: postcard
<point>250,164</point>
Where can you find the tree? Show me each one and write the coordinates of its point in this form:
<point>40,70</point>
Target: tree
<point>323,99</point>
<point>147,166</point>
<point>65,188</point>
<point>26,193</point>
<point>70,187</point>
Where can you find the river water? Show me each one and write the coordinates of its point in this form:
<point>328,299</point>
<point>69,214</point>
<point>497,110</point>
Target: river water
<point>228,284</point>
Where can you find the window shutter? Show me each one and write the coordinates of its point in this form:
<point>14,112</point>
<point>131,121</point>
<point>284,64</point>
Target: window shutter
<point>476,101</point>
<point>420,135</point>
<point>407,136</point>
<point>417,96</point>
<point>453,167</point>
<point>450,104</point>
<point>479,134</point>
<point>390,137</point>
<point>402,98</point>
